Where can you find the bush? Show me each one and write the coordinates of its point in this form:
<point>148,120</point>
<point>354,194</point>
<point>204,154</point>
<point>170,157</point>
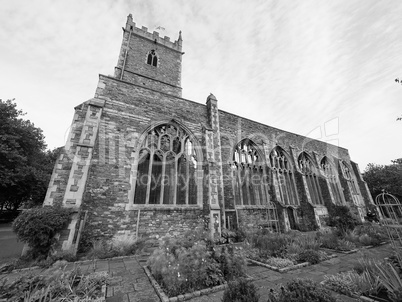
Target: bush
<point>310,256</point>
<point>302,290</point>
<point>342,283</point>
<point>272,245</point>
<point>279,262</point>
<point>344,245</point>
<point>102,249</point>
<point>240,290</point>
<point>329,240</point>
<point>38,226</point>
<point>341,218</point>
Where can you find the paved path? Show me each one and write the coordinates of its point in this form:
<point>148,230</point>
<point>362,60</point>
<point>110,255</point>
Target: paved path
<point>130,283</point>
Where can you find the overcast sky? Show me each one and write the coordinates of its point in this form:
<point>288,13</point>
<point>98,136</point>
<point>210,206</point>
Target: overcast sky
<point>320,68</point>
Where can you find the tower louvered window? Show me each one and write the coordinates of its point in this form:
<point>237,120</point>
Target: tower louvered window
<point>283,176</point>
<point>167,167</point>
<point>333,180</point>
<point>310,171</point>
<point>250,182</point>
<point>152,58</point>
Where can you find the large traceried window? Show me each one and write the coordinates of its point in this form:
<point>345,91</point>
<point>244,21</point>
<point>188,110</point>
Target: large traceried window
<point>283,176</point>
<point>249,177</point>
<point>350,179</point>
<point>333,180</point>
<point>167,167</point>
<point>310,171</point>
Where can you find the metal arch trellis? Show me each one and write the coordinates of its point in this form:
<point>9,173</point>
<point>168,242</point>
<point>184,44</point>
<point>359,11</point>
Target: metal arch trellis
<point>391,217</point>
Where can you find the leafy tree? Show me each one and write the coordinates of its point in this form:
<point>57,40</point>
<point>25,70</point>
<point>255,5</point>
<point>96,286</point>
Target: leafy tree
<point>384,177</point>
<point>25,166</point>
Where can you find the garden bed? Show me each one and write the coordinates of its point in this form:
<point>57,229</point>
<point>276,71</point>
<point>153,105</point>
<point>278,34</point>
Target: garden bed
<point>287,268</point>
<point>187,296</point>
<point>354,295</point>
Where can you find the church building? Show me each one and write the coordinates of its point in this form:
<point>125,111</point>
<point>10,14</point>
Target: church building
<point>141,161</point>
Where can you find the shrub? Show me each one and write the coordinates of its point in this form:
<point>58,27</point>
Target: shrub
<point>342,283</point>
<point>311,256</point>
<point>240,290</point>
<point>329,240</point>
<point>341,218</point>
<point>38,226</point>
<point>301,290</point>
<point>273,245</point>
<point>279,262</point>
<point>371,234</point>
<point>344,245</point>
<point>231,265</point>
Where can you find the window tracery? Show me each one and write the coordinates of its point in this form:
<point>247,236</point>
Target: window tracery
<point>167,167</point>
<point>283,176</point>
<point>333,180</point>
<point>310,171</point>
<point>152,58</point>
<point>349,178</point>
<point>250,181</point>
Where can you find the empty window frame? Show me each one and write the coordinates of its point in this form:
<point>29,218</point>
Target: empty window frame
<point>310,171</point>
<point>333,180</point>
<point>346,171</point>
<point>249,177</point>
<point>283,177</point>
<point>167,168</point>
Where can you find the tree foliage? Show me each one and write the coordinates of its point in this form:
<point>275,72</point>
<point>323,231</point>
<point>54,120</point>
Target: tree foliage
<point>384,177</point>
<point>25,166</point>
<point>38,227</point>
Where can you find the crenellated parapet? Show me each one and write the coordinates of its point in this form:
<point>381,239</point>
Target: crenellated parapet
<point>143,32</point>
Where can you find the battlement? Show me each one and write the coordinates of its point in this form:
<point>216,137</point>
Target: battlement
<point>143,32</point>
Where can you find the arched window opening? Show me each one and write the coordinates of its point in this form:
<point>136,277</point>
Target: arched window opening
<point>349,178</point>
<point>167,168</point>
<point>152,58</point>
<point>283,177</point>
<point>333,180</point>
<point>309,170</point>
<point>249,177</point>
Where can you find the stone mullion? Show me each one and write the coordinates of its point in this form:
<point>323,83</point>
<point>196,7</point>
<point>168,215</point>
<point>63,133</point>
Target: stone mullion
<point>162,178</point>
<point>187,179</point>
<point>240,185</point>
<point>151,161</point>
<point>176,172</point>
<point>264,188</point>
<point>133,179</point>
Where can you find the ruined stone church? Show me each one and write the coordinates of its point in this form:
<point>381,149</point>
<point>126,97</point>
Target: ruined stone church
<point>140,160</point>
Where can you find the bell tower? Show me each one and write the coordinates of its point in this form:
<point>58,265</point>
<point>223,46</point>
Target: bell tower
<point>149,60</point>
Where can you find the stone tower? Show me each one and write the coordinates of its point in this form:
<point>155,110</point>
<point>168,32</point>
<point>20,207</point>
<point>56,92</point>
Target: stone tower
<point>162,70</point>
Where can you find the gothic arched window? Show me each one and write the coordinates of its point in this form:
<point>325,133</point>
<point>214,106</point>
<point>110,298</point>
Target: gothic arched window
<point>333,180</point>
<point>152,58</point>
<point>349,178</point>
<point>310,171</point>
<point>283,176</point>
<point>167,167</point>
<point>249,178</point>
